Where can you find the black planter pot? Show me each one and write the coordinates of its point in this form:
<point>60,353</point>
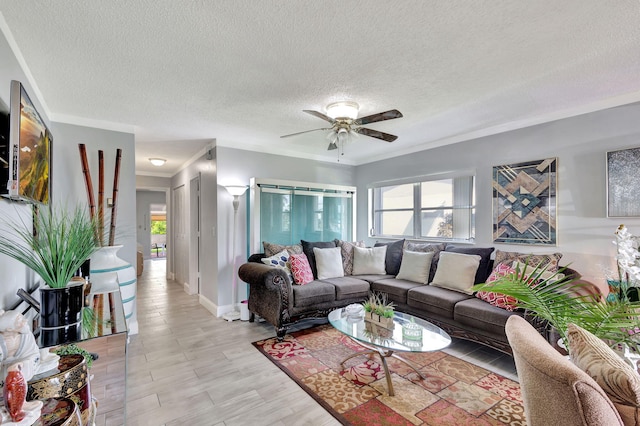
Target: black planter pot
<point>61,314</point>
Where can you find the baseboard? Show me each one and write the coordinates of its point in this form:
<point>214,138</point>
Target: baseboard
<point>186,288</point>
<point>171,276</point>
<point>209,305</point>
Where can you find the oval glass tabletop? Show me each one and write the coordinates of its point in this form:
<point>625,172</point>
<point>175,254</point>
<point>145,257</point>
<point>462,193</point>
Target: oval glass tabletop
<point>409,334</point>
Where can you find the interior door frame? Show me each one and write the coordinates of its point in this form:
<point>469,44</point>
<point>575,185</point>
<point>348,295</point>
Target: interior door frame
<point>195,233</point>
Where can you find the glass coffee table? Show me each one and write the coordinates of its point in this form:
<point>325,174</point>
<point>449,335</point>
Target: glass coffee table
<point>409,334</point>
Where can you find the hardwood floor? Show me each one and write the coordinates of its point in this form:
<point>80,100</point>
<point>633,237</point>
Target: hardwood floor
<point>186,367</point>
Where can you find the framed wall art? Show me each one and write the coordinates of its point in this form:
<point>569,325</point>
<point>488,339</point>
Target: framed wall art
<point>623,183</point>
<point>524,203</point>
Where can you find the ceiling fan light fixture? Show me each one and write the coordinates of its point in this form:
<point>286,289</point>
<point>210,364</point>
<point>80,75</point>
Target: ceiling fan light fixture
<point>343,109</point>
<point>157,161</point>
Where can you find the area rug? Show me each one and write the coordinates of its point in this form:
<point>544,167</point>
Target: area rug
<point>455,392</point>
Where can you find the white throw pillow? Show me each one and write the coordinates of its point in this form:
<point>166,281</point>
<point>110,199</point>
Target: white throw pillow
<point>415,266</point>
<point>456,271</point>
<point>369,260</point>
<point>328,262</point>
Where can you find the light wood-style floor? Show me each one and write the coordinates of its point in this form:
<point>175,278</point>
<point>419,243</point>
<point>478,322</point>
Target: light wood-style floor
<point>186,367</point>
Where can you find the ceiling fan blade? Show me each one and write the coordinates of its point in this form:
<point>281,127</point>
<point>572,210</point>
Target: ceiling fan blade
<point>381,116</point>
<point>375,134</point>
<point>319,115</point>
<point>306,131</point>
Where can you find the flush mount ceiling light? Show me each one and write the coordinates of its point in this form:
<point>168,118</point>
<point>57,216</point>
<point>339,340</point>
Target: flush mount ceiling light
<point>343,109</point>
<point>157,161</point>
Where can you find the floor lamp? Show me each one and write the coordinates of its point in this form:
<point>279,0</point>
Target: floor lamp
<point>236,191</point>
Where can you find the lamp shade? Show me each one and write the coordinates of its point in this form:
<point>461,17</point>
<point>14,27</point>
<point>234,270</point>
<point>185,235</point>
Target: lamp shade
<point>157,161</point>
<point>236,190</point>
<point>343,110</point>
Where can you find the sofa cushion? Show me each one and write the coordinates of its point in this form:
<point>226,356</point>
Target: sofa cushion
<point>369,260</point>
<point>456,271</point>
<point>547,261</point>
<point>438,301</point>
<point>415,266</point>
<point>307,248</point>
<point>270,248</point>
<point>349,287</point>
<point>371,278</point>
<point>346,249</point>
<point>427,248</point>
<point>328,262</point>
<point>300,269</point>
<point>281,261</point>
<point>484,269</point>
<point>396,289</point>
<point>593,356</point>
<point>313,293</point>
<point>478,314</point>
<point>393,257</point>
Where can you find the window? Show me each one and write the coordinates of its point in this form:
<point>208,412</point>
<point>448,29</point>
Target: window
<point>294,211</point>
<point>442,209</point>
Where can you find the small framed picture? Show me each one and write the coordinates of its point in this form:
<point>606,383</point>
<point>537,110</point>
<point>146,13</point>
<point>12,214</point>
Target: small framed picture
<point>623,183</point>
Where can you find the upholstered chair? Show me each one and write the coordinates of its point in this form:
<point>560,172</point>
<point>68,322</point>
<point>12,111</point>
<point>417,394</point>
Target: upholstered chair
<point>555,392</point>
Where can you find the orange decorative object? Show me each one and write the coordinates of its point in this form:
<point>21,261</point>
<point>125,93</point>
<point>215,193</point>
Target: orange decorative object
<point>15,391</point>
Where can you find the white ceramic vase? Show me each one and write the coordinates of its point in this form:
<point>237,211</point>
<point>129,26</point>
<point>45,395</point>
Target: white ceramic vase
<point>105,267</point>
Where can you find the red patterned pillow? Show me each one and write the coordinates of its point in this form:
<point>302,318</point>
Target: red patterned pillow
<point>300,269</point>
<point>498,299</point>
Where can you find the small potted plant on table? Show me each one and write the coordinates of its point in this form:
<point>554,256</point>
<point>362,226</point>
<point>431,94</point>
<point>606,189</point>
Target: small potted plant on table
<point>378,310</point>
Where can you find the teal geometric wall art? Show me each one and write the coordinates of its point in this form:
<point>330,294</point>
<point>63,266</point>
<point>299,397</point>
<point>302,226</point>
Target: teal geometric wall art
<point>524,203</point>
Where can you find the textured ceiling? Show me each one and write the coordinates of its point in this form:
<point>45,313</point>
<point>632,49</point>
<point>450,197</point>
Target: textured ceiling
<point>183,73</point>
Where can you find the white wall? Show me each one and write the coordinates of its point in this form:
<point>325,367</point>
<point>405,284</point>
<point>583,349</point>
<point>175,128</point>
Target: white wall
<point>144,199</point>
<point>585,235</point>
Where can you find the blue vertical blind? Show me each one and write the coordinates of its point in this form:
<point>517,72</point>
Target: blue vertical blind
<point>288,215</point>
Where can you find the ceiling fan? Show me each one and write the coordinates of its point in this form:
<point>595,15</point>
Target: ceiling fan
<point>344,122</point>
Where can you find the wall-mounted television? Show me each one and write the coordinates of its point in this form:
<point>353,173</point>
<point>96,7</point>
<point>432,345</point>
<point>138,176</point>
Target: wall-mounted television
<point>29,150</point>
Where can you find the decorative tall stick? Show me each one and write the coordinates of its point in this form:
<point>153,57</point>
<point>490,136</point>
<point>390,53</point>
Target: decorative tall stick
<point>101,195</point>
<point>87,181</point>
<point>114,206</point>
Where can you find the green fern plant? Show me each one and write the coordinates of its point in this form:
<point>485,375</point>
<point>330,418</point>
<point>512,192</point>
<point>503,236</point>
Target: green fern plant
<point>563,300</point>
<point>57,246</point>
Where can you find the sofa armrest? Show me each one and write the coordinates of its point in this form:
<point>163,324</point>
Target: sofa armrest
<point>270,294</point>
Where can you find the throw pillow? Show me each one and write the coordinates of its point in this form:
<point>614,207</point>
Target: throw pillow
<point>307,248</point>
<point>393,258</point>
<point>456,271</point>
<point>427,248</point>
<point>300,269</point>
<point>281,261</point>
<point>548,261</point>
<point>599,361</point>
<point>415,267</point>
<point>328,262</point>
<point>484,269</point>
<point>369,260</point>
<point>498,299</point>
<point>542,274</point>
<point>271,249</point>
<point>346,249</point>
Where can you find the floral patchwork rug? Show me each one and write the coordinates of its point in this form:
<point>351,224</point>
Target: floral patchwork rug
<point>455,392</point>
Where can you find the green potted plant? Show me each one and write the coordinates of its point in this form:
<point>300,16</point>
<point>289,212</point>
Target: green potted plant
<point>562,300</point>
<point>379,310</point>
<point>54,247</point>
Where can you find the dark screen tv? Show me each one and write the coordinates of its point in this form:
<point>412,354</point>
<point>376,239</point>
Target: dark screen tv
<point>29,150</point>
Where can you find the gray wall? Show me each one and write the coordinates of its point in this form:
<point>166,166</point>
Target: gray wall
<point>144,199</point>
<point>585,234</point>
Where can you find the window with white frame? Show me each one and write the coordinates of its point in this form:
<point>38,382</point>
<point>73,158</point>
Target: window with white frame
<point>441,208</point>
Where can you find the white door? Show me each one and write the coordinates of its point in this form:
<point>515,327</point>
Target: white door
<point>194,235</point>
<point>181,223</point>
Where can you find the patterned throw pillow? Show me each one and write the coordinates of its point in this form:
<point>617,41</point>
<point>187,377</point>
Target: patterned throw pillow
<point>498,299</point>
<point>546,261</point>
<point>599,361</point>
<point>271,249</point>
<point>280,260</point>
<point>300,269</point>
<point>346,249</point>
